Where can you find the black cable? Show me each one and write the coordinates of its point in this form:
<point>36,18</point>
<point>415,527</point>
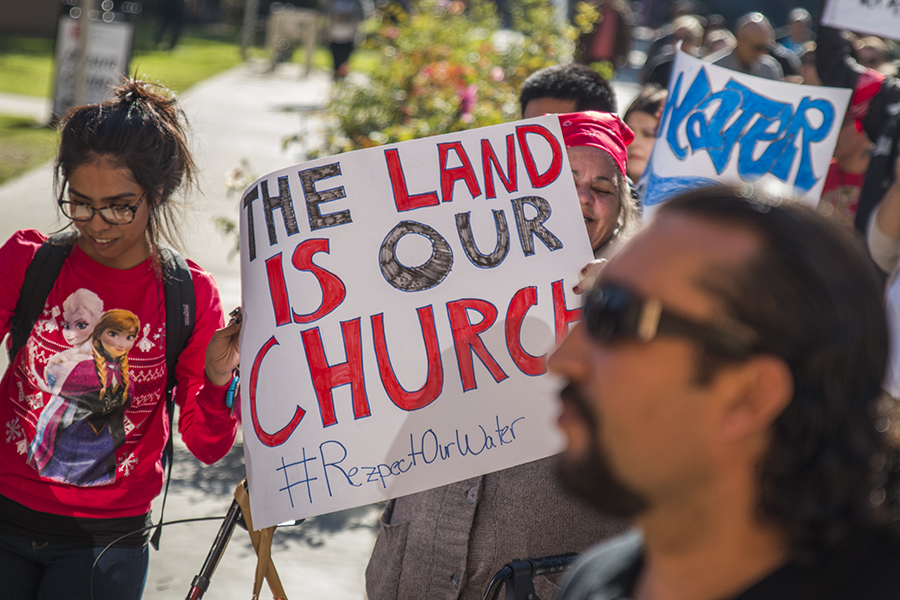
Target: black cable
<point>143,530</point>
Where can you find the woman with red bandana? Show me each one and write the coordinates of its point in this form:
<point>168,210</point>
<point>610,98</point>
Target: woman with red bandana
<point>596,145</point>
<point>447,543</point>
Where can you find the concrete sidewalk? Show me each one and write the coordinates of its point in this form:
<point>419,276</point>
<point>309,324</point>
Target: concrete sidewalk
<point>239,115</point>
<point>38,109</point>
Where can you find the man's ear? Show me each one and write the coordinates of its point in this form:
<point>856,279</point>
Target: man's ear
<point>764,388</point>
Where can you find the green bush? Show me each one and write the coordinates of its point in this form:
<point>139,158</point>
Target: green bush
<point>447,67</point>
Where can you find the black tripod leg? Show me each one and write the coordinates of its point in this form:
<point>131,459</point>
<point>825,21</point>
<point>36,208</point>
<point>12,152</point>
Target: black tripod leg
<point>201,582</point>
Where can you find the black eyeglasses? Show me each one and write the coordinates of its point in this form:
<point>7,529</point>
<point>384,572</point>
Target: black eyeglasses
<point>117,214</point>
<point>613,313</point>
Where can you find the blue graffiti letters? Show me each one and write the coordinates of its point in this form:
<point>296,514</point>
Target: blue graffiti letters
<point>769,134</point>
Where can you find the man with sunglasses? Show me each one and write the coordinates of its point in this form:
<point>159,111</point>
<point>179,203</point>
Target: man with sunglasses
<point>755,38</point>
<point>723,392</point>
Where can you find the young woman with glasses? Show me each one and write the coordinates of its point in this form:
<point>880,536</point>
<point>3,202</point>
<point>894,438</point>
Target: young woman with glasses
<point>81,458</point>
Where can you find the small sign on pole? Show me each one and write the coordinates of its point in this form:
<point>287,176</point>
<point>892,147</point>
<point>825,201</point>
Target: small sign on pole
<point>108,52</point>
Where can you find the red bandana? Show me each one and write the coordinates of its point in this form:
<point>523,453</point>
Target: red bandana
<point>606,131</point>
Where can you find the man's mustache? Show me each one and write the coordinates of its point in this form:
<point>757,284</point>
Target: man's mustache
<point>573,396</point>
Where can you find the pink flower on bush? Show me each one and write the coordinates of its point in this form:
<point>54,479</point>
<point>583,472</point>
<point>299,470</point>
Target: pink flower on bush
<point>467,98</point>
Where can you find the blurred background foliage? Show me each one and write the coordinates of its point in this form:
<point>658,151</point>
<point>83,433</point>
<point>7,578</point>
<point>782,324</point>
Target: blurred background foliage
<point>446,67</point>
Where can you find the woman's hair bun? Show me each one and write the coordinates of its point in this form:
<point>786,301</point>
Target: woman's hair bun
<point>133,90</point>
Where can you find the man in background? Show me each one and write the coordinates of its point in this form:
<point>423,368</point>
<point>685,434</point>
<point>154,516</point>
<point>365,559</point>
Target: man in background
<point>755,38</point>
<point>567,88</point>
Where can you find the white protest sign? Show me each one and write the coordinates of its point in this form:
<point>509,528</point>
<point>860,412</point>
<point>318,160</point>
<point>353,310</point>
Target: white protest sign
<point>108,53</point>
<point>723,127</point>
<point>875,17</point>
<point>399,303</point>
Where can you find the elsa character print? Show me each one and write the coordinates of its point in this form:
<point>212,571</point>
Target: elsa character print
<point>81,311</point>
<point>83,450</point>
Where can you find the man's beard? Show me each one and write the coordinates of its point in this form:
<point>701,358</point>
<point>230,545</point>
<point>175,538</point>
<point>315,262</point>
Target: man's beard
<point>590,476</point>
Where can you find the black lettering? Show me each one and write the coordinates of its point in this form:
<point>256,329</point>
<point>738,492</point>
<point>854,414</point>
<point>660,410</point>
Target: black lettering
<point>308,179</point>
<point>423,277</point>
<point>247,203</point>
<point>485,261</point>
<point>285,203</point>
<point>534,227</point>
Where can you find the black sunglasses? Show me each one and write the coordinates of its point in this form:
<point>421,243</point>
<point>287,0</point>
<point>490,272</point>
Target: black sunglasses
<point>613,313</point>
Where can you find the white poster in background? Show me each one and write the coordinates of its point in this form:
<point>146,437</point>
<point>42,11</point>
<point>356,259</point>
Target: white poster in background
<point>719,126</point>
<point>399,304</point>
<point>874,17</point>
<point>109,51</point>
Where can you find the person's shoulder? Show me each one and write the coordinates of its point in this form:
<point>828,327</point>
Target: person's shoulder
<point>717,58</point>
<point>769,66</point>
<point>204,282</point>
<point>25,240</point>
<point>612,563</point>
<point>196,270</point>
<point>19,250</point>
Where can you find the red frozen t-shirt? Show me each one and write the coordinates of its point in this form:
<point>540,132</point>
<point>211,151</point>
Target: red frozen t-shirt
<point>83,408</point>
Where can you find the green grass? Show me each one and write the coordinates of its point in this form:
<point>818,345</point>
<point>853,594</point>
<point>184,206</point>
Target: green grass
<point>27,67</point>
<point>27,63</point>
<point>26,144</point>
<point>194,59</point>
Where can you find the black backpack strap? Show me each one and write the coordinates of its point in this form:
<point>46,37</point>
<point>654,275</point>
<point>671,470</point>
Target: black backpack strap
<point>180,314</point>
<point>39,279</point>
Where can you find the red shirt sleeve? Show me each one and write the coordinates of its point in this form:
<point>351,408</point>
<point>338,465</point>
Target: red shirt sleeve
<point>206,425</point>
<point>15,256</point>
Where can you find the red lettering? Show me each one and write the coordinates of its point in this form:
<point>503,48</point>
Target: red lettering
<point>402,199</point>
<point>518,308</point>
<point>562,316</point>
<point>466,339</point>
<point>488,158</point>
<point>325,377</point>
<point>434,383</point>
<point>278,290</point>
<point>333,290</point>
<point>539,180</point>
<point>450,176</point>
<point>280,436</point>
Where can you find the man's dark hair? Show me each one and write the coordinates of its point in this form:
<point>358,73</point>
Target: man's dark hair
<point>572,81</point>
<point>814,299</point>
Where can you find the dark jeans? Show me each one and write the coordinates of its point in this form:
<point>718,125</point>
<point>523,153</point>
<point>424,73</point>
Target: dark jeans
<point>35,570</point>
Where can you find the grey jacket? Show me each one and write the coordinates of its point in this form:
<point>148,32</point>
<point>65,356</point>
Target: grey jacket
<point>449,542</point>
<point>767,67</point>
